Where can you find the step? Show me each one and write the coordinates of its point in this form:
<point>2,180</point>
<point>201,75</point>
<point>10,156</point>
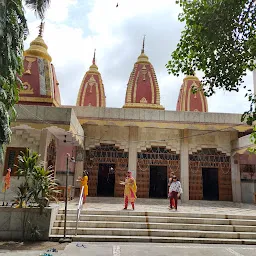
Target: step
<point>162,214</point>
<point>144,225</point>
<point>155,219</point>
<point>155,233</point>
<point>139,239</point>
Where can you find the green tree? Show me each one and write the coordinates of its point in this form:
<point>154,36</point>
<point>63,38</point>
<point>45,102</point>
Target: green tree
<point>13,32</point>
<point>219,39</point>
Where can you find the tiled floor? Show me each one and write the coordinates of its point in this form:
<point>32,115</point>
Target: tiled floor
<point>113,203</point>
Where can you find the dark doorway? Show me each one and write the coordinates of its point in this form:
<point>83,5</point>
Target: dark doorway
<point>158,182</point>
<point>106,180</point>
<point>210,184</point>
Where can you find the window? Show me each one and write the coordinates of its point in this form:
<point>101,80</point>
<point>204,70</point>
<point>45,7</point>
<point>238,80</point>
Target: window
<point>11,159</point>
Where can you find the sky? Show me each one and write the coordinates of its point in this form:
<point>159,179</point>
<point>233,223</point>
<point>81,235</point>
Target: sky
<point>74,28</point>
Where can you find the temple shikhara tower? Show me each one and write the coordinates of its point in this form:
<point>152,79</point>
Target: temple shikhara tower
<point>142,89</point>
<point>189,101</point>
<point>91,91</point>
<point>40,84</point>
<point>206,151</point>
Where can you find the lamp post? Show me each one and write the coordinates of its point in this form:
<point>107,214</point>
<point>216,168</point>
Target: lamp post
<point>65,239</point>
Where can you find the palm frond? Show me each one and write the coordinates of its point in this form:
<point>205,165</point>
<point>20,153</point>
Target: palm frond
<point>38,6</point>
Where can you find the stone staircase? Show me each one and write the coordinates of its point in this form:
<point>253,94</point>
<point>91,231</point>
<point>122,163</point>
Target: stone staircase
<point>162,227</point>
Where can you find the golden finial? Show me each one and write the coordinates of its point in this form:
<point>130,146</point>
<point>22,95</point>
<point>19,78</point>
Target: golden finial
<point>41,29</point>
<point>143,45</point>
<point>38,48</point>
<point>93,60</point>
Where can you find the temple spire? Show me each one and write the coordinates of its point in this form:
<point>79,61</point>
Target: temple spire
<point>93,60</point>
<point>41,29</point>
<point>143,44</point>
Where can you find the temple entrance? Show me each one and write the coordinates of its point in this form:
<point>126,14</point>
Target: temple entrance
<point>210,184</point>
<point>51,156</point>
<point>106,180</point>
<point>158,182</point>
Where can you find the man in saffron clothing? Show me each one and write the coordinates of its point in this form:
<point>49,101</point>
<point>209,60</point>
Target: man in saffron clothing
<point>130,189</point>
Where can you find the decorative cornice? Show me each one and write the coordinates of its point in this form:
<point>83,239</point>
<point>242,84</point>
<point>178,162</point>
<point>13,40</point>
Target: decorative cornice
<point>141,105</point>
<point>143,58</point>
<point>190,77</point>
<point>39,100</point>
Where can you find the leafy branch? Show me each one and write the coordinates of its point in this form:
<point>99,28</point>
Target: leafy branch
<point>219,39</point>
<point>13,32</point>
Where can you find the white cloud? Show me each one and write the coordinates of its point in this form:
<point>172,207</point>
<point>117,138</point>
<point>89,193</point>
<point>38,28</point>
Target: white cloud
<point>58,12</point>
<point>74,28</point>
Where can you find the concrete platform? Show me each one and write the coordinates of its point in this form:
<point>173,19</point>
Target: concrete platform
<point>161,205</point>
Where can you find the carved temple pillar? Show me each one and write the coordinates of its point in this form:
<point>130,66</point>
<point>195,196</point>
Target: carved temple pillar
<point>236,179</point>
<point>133,142</point>
<point>184,165</point>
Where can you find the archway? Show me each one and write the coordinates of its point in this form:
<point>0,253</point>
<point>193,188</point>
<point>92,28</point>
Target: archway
<point>156,163</point>
<point>51,156</point>
<point>210,167</point>
<point>106,158</point>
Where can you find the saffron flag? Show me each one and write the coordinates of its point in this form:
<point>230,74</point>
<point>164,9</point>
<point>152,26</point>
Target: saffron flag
<point>7,180</point>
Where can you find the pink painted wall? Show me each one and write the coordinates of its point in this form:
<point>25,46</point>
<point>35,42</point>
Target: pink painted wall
<point>247,159</point>
<point>62,158</point>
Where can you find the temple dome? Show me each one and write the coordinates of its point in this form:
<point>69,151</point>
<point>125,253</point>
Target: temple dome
<point>91,92</point>
<point>40,84</point>
<point>189,101</point>
<point>38,48</point>
<point>142,89</point>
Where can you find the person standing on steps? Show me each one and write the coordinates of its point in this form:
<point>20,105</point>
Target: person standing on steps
<point>130,189</point>
<point>84,183</point>
<point>172,202</point>
<point>174,191</point>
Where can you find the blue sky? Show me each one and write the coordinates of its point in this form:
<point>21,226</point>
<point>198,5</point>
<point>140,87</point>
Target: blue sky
<point>74,28</point>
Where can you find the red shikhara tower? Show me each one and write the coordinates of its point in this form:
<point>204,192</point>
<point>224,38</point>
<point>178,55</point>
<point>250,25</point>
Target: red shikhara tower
<point>188,101</point>
<point>40,84</point>
<point>91,91</point>
<point>142,89</point>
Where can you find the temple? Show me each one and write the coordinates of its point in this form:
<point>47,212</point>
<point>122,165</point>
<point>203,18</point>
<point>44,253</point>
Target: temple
<point>207,151</point>
<point>91,91</point>
<point>189,101</point>
<point>40,84</point>
<point>143,90</point>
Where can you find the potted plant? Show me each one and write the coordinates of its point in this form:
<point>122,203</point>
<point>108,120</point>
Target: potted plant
<point>39,185</point>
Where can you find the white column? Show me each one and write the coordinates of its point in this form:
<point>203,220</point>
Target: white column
<point>184,165</point>
<point>133,142</point>
<point>79,167</point>
<point>236,180</point>
<point>44,142</point>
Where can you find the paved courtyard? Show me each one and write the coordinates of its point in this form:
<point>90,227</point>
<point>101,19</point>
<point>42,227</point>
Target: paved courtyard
<point>137,249</point>
<point>161,205</point>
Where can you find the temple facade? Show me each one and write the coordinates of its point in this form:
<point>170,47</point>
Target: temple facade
<point>207,151</point>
